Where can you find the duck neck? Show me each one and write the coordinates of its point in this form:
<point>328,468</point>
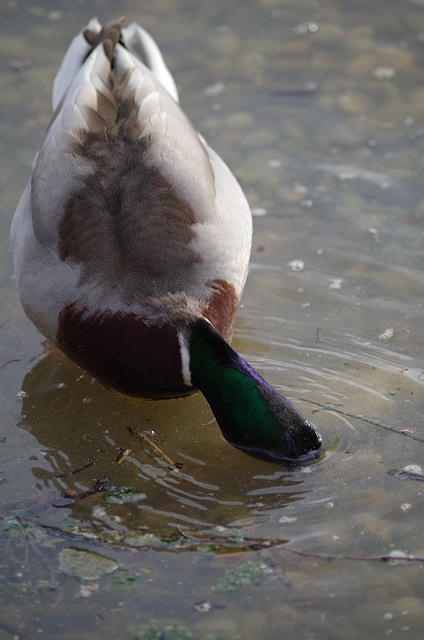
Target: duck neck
<point>251,414</point>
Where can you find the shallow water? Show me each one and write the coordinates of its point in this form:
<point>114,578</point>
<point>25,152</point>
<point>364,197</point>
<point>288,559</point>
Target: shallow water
<point>318,108</point>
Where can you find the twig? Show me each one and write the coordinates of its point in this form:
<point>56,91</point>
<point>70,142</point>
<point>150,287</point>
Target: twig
<point>328,407</point>
<point>100,485</point>
<point>237,545</point>
<point>175,465</point>
<point>72,473</point>
<point>123,453</point>
<point>329,557</point>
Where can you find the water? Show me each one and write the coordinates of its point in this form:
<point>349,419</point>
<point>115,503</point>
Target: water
<point>318,107</point>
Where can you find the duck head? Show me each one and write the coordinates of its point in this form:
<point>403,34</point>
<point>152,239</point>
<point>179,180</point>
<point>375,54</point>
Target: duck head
<point>251,414</point>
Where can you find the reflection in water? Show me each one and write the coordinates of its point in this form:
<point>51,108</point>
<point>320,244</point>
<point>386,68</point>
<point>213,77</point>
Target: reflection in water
<point>84,426</point>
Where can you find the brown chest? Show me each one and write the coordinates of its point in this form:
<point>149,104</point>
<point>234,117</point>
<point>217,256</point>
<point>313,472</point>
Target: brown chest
<point>123,351</point>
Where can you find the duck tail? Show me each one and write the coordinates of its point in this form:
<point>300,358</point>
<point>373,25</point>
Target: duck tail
<point>74,58</point>
<point>109,36</point>
<point>134,38</point>
<point>141,45</point>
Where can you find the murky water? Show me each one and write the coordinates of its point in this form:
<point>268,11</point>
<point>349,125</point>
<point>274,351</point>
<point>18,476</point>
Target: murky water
<point>318,108</point>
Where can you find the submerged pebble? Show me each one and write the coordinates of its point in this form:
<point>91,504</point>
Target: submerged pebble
<point>85,565</point>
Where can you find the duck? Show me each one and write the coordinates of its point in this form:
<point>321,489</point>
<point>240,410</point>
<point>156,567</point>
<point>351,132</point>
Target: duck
<point>132,240</point>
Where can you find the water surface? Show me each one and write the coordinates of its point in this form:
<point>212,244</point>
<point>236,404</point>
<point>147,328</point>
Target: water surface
<point>318,108</point>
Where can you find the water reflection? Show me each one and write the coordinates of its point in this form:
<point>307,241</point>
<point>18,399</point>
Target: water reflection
<point>83,427</point>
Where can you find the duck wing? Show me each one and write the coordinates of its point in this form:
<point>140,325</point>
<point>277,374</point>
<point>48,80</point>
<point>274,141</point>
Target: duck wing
<point>127,203</point>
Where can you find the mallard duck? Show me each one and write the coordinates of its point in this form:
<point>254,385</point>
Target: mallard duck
<point>132,240</point>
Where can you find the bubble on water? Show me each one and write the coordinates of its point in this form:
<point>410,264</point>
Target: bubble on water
<point>259,212</point>
<point>306,203</point>
<point>335,283</point>
<point>274,163</point>
<point>383,73</point>
<point>215,89</point>
<point>386,335</point>
<point>287,520</point>
<point>296,265</point>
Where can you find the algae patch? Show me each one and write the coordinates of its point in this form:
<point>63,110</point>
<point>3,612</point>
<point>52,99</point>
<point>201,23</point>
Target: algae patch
<point>251,572</point>
<point>85,565</point>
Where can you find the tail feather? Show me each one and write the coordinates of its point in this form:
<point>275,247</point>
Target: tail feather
<point>72,62</point>
<point>134,38</point>
<point>109,36</point>
<point>141,44</point>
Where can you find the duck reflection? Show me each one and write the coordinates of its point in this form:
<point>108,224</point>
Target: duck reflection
<point>93,438</point>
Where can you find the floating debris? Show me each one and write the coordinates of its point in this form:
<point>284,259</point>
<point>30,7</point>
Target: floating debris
<point>55,15</point>
<point>174,466</point>
<point>413,468</point>
<point>296,265</point>
<point>306,203</point>
<point>335,283</point>
<point>386,335</point>
<point>259,212</point>
<point>206,607</point>
<point>203,607</point>
<point>304,27</point>
<point>398,557</point>
<point>274,163</point>
<point>101,485</point>
<point>215,89</point>
<point>383,73</point>
<point>411,472</point>
<point>125,495</point>
<point>287,520</point>
<point>123,453</point>
<point>374,232</point>
<point>345,172</point>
